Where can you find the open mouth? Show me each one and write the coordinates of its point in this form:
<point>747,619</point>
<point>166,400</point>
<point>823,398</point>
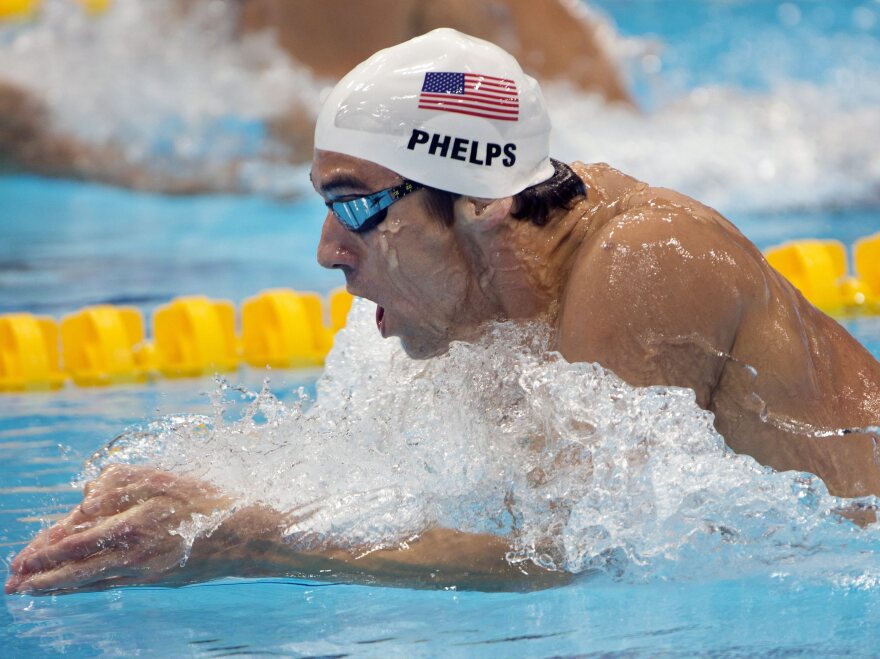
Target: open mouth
<point>380,318</point>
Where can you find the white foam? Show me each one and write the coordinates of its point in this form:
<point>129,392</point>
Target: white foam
<point>581,470</point>
<point>799,146</point>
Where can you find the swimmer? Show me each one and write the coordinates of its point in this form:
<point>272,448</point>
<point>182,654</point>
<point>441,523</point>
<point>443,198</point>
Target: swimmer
<point>446,210</point>
<point>28,142</point>
<point>555,38</point>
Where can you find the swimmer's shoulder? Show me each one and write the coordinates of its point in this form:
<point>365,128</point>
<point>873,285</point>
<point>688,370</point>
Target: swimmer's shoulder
<point>660,238</point>
<point>646,294</point>
<point>612,194</point>
<point>634,210</point>
<point>607,186</point>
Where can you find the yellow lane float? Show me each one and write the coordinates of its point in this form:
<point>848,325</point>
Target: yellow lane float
<point>866,257</point>
<point>195,336</point>
<point>286,329</point>
<point>820,271</point>
<point>17,10</point>
<point>191,336</point>
<point>99,345</point>
<point>340,305</point>
<point>28,353</point>
<point>95,7</point>
<point>283,329</point>
<point>22,10</point>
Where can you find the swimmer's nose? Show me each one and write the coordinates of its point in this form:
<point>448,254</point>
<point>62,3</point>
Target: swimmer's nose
<point>334,250</point>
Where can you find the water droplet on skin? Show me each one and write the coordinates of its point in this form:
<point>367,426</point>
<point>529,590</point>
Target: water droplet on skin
<point>388,252</point>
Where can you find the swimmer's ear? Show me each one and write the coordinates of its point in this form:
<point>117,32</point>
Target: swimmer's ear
<point>482,214</point>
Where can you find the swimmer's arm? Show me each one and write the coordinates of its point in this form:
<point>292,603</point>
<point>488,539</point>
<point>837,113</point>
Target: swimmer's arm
<point>656,297</point>
<point>437,558</point>
<point>127,532</point>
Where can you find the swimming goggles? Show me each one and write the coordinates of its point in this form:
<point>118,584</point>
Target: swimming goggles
<point>363,213</point>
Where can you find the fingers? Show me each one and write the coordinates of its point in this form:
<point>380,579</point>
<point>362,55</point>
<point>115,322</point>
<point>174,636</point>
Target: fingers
<point>125,532</point>
<point>120,487</point>
<point>119,532</point>
<point>97,573</point>
<point>109,495</point>
<point>75,522</point>
<point>70,548</point>
<point>122,531</point>
<point>134,544</point>
<point>121,475</point>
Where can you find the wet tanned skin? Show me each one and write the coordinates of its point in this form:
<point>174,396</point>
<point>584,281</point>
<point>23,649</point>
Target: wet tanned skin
<point>428,300</point>
<point>666,291</point>
<point>647,282</point>
<point>654,286</point>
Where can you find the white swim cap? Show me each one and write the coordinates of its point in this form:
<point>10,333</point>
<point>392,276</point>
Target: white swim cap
<point>446,110</point>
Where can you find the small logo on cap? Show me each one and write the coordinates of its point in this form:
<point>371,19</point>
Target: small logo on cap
<point>472,94</point>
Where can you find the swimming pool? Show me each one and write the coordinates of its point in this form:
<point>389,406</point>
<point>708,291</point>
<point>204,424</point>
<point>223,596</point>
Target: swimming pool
<point>68,244</point>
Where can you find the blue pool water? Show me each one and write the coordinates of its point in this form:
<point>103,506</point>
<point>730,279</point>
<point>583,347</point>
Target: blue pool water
<point>64,245</point>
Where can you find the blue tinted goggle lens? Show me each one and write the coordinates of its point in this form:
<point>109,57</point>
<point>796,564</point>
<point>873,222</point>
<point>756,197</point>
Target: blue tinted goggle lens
<point>364,213</point>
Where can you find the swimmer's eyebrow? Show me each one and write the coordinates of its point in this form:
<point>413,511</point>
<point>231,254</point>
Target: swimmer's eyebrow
<point>342,181</point>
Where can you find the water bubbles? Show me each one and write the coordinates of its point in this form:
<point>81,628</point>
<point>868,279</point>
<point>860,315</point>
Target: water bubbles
<point>206,99</point>
<point>799,145</point>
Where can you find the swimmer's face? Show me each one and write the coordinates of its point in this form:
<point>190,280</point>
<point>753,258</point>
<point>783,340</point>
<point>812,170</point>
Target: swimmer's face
<point>410,265</point>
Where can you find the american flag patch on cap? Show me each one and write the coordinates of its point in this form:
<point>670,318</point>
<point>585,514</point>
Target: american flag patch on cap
<point>473,94</point>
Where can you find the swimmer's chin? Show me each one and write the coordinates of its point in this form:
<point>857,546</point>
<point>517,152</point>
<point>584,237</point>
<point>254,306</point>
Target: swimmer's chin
<point>422,351</point>
<point>434,344</point>
<point>415,349</point>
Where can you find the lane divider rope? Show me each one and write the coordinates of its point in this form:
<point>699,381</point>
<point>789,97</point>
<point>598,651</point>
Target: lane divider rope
<point>191,336</point>
<point>281,328</point>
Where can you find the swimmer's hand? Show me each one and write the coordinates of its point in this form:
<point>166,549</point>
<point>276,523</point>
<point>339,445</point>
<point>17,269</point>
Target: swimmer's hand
<point>118,535</point>
<point>125,533</point>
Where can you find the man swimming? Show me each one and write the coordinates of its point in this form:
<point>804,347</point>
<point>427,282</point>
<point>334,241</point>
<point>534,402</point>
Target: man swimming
<point>445,208</point>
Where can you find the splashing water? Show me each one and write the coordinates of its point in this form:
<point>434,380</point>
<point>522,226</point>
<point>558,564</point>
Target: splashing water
<point>582,471</point>
<point>178,90</point>
<point>750,105</point>
<point>797,147</point>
